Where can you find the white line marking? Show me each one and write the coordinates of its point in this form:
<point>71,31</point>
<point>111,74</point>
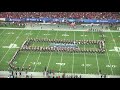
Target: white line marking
<point>111,66</point>
<point>39,54</point>
<point>10,48</point>
<point>73,57</point>
<point>29,52</point>
<point>55,29</point>
<point>62,54</point>
<point>84,55</point>
<point>108,60</point>
<point>116,49</point>
<point>49,61</point>
<point>96,55</point>
<point>46,34</point>
<point>12,45</point>
<point>51,54</point>
<point>5,40</point>
<point>61,62</point>
<point>73,64</point>
<point>83,35</point>
<point>37,62</point>
<point>2,32</point>
<point>10,33</point>
<point>65,35</point>
<point>26,60</point>
<point>115,43</point>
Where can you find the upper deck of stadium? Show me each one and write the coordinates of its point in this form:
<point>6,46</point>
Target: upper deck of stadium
<point>76,15</point>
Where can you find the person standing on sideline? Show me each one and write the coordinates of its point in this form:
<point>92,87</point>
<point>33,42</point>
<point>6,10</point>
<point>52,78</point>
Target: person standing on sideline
<point>100,71</point>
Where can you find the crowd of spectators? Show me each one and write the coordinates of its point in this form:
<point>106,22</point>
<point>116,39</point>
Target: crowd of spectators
<point>76,15</point>
<point>12,24</point>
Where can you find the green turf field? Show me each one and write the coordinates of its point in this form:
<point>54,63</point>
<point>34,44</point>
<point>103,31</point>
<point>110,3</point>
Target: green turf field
<point>108,63</point>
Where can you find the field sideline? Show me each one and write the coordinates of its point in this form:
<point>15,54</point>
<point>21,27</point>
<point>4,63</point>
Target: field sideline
<point>108,63</point>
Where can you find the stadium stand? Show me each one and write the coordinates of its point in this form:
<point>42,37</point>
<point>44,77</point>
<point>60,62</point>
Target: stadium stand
<point>80,15</point>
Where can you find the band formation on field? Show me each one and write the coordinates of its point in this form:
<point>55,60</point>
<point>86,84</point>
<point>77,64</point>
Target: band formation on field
<point>57,45</point>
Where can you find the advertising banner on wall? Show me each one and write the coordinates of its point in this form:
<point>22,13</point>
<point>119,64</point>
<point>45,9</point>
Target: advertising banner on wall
<point>61,20</point>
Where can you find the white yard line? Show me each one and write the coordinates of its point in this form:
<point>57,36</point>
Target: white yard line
<point>29,52</point>
<point>109,61</point>
<point>37,61</point>
<point>26,59</point>
<point>5,40</point>
<point>73,63</point>
<point>49,61</point>
<point>2,32</point>
<point>114,43</point>
<point>10,48</point>
<point>51,54</point>
<point>84,54</point>
<point>61,62</point>
<point>39,55</point>
<point>62,55</point>
<point>96,55</point>
<point>27,38</point>
<point>73,57</point>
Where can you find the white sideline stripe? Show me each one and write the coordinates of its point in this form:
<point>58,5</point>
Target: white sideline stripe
<point>38,74</point>
<point>96,55</point>
<point>10,48</point>
<point>115,43</point>
<point>39,55</point>
<point>51,53</point>
<point>45,29</point>
<point>57,29</point>
<point>84,55</point>
<point>62,56</point>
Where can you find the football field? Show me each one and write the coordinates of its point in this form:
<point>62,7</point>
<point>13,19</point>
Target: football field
<point>82,63</point>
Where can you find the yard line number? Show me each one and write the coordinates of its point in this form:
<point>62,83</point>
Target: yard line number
<point>87,65</point>
<point>113,66</point>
